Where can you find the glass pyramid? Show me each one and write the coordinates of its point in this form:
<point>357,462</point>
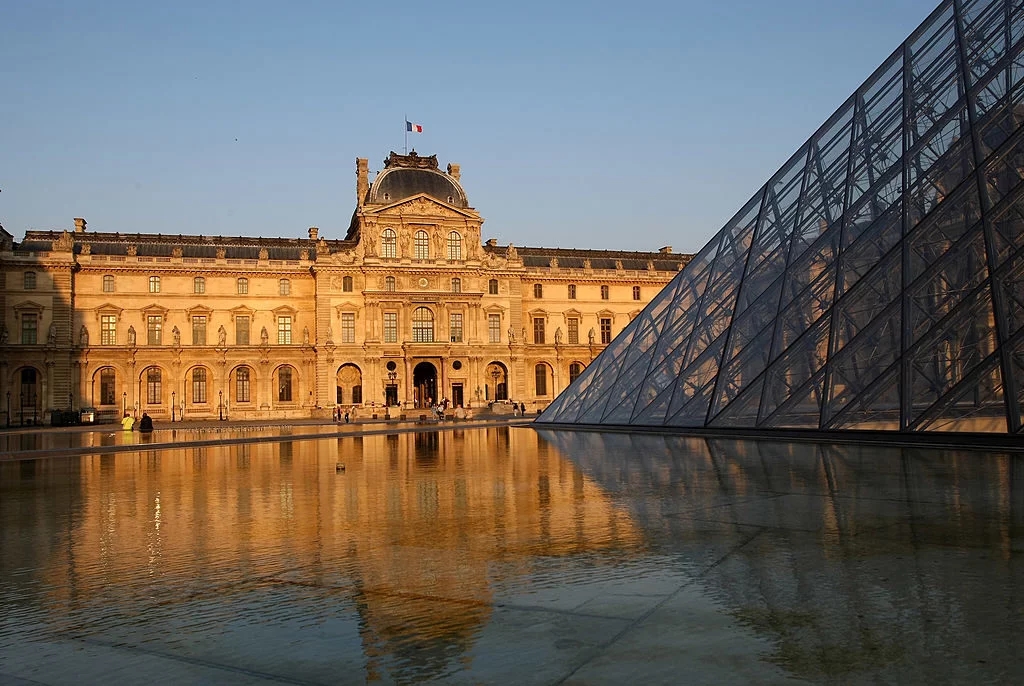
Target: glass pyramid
<point>875,282</point>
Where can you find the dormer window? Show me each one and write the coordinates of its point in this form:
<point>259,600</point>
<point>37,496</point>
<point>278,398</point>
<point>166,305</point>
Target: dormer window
<point>30,281</point>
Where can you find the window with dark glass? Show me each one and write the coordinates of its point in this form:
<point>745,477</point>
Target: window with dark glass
<point>108,283</point>
<point>538,330</point>
<point>284,384</point>
<point>575,369</point>
<point>454,245</point>
<point>389,284</point>
<point>346,284</point>
<point>242,381</point>
<point>154,386</point>
<point>540,373</point>
<point>242,286</point>
<point>455,326</point>
<point>284,287</point>
<point>606,331</point>
<point>30,281</point>
<point>572,291</point>
<point>492,287</point>
<point>538,290</point>
<point>242,330</point>
<point>390,327</point>
<point>574,331</point>
<point>636,292</point>
<point>29,329</point>
<point>108,386</point>
<point>199,385</point>
<point>456,285</point>
<point>199,329</point>
<point>604,292</point>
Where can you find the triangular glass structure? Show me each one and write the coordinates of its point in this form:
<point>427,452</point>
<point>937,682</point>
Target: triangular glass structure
<point>876,282</point>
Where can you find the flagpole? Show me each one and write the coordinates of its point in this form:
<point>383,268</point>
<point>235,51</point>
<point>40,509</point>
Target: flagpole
<point>405,126</point>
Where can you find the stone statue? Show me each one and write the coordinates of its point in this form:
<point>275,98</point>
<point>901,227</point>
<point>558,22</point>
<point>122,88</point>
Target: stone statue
<point>511,253</point>
<point>222,336</point>
<point>586,264</point>
<point>524,334</point>
<point>51,335</point>
<point>590,336</point>
<point>558,336</point>
<point>368,244</point>
<point>83,337</point>
<point>176,333</point>
<point>264,253</point>
<point>131,336</point>
<point>222,253</point>
<point>305,335</point>
<point>264,336</point>
<point>403,241</point>
<point>133,250</point>
<point>330,334</point>
<point>650,265</point>
<point>511,335</point>
<point>438,244</point>
<point>3,333</point>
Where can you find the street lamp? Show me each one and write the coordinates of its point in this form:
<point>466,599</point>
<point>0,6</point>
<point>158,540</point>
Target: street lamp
<point>71,402</point>
<point>172,407</point>
<point>220,405</point>
<point>124,403</point>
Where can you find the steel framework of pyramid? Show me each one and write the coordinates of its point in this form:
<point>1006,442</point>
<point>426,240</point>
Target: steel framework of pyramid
<point>875,282</point>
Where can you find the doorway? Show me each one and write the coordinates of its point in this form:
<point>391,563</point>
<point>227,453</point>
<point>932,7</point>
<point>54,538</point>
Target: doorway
<point>457,399</point>
<point>424,380</point>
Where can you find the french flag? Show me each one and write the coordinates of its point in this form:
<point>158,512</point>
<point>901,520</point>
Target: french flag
<point>413,128</point>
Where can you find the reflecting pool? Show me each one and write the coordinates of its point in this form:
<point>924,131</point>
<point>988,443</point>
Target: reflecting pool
<point>507,555</point>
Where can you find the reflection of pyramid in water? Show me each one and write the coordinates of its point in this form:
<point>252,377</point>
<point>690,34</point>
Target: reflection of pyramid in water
<point>875,282</point>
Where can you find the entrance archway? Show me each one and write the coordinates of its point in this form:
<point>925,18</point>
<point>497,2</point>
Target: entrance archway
<point>28,382</point>
<point>349,385</point>
<point>497,381</point>
<point>424,380</point>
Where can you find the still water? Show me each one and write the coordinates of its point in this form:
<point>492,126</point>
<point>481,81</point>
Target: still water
<point>506,555</point>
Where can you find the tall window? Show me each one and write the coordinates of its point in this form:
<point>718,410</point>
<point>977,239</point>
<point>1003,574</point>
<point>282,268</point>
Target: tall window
<point>199,285</point>
<point>199,385</point>
<point>604,292</point>
<point>572,291</point>
<point>455,327</point>
<point>242,330</point>
<point>30,281</point>
<point>154,383</point>
<point>199,329</point>
<point>154,329</point>
<point>575,369</point>
<point>636,292</point>
<point>242,385</point>
<point>456,285</point>
<point>154,284</point>
<point>574,331</point>
<point>284,384</point>
<point>284,287</point>
<point>108,329</point>
<point>346,284</point>
<point>348,327</point>
<point>541,378</point>
<point>108,386</point>
<point>494,328</point>
<point>606,331</point>
<point>538,290</point>
<point>390,327</point>
<point>538,330</point>
<point>388,243</point>
<point>389,284</point>
<point>492,287</point>
<point>108,283</point>
<point>242,286</point>
<point>422,325</point>
<point>29,329</point>
<point>284,330</point>
<point>454,245</point>
<point>421,245</point>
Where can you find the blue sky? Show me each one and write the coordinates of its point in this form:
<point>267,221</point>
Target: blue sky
<point>618,125</point>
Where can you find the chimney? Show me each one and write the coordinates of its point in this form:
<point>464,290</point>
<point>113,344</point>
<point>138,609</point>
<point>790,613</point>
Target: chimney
<point>667,250</point>
<point>313,233</point>
<point>492,242</point>
<point>362,180</point>
<point>455,171</point>
<point>79,225</point>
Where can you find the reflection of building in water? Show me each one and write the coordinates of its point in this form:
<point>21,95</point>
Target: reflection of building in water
<point>416,531</point>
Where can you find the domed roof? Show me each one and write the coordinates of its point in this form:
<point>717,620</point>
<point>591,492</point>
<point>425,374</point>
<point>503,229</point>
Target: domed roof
<point>404,176</point>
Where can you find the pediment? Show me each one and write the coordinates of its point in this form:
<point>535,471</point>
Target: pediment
<point>28,306</point>
<point>284,311</point>
<point>199,310</point>
<point>153,308</point>
<point>422,205</point>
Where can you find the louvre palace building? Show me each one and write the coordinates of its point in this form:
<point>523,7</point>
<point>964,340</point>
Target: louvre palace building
<point>409,307</point>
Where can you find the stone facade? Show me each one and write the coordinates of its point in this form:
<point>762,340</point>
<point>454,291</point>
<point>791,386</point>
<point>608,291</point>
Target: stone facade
<point>410,306</point>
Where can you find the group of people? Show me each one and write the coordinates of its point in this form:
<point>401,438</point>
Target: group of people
<point>145,424</point>
<point>341,415</point>
<point>518,409</point>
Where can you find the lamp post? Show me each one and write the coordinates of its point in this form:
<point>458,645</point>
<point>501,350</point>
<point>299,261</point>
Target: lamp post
<point>124,403</point>
<point>172,407</point>
<point>220,405</point>
<point>71,402</point>
<point>8,409</point>
<point>392,379</point>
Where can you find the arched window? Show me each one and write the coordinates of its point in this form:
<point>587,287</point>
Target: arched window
<point>421,245</point>
<point>454,246</point>
<point>154,385</point>
<point>456,285</point>
<point>108,283</point>
<point>346,284</point>
<point>199,285</point>
<point>242,380</point>
<point>389,284</point>
<point>541,378</point>
<point>575,369</point>
<point>422,325</point>
<point>284,385</point>
<point>492,287</point>
<point>108,386</point>
<point>388,243</point>
<point>199,385</point>
<point>243,286</point>
<point>154,284</point>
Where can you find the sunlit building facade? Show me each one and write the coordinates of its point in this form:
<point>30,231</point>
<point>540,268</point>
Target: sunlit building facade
<point>410,306</point>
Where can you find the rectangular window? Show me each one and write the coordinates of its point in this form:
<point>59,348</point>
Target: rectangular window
<point>199,386</point>
<point>154,329</point>
<point>243,286</point>
<point>199,285</point>
<point>494,328</point>
<point>572,291</point>
<point>604,292</point>
<point>284,330</point>
<point>29,329</point>
<point>538,330</point>
<point>242,385</point>
<point>348,327</point>
<point>30,281</point>
<point>199,329</point>
<point>538,290</point>
<point>154,386</point>
<point>108,283</point>
<point>108,329</point>
<point>108,386</point>
<point>242,330</point>
<point>606,331</point>
<point>284,287</point>
<point>636,292</point>
<point>455,326</point>
<point>574,331</point>
<point>154,284</point>
<point>390,327</point>
<point>492,287</point>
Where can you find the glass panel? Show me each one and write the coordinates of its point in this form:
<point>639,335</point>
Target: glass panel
<point>743,410</point>
<point>977,405</point>
<point>956,274</point>
<point>873,294</point>
<point>876,410</point>
<point>801,361</point>
<point>855,367</point>
<point>802,411</point>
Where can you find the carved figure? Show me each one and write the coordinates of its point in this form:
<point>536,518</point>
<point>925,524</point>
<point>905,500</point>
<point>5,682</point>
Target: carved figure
<point>618,264</point>
<point>554,263</point>
<point>558,336</point>
<point>511,335</point>
<point>511,253</point>
<point>590,336</point>
<point>86,248</point>
<point>3,333</point>
<point>222,253</point>
<point>176,252</point>
<point>176,333</point>
<point>133,250</point>
<point>438,243</point>
<point>369,245</point>
<point>586,264</point>
<point>264,253</point>
<point>305,335</point>
<point>222,336</point>
<point>650,265</point>
<point>83,337</point>
<point>51,335</point>
<point>264,336</point>
<point>330,334</point>
<point>131,336</point>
